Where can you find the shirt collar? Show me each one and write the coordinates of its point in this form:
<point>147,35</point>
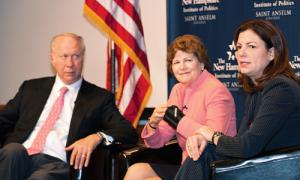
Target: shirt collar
<point>73,88</point>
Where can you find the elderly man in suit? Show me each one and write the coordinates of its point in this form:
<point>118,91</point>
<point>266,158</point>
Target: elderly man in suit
<point>55,122</point>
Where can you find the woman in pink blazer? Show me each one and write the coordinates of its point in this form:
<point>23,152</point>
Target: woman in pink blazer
<point>202,98</point>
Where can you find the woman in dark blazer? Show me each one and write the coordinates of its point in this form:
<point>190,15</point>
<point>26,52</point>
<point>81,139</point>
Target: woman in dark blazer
<point>272,114</point>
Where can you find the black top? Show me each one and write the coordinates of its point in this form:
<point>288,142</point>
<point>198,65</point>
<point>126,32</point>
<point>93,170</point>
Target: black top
<point>271,121</point>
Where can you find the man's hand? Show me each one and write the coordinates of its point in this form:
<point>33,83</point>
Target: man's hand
<point>82,150</point>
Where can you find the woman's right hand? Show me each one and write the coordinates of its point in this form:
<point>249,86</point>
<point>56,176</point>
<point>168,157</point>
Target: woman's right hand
<point>157,115</point>
<point>195,145</point>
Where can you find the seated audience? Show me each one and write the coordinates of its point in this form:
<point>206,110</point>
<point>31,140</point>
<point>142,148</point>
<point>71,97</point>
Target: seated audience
<point>55,122</point>
<point>199,99</point>
<point>272,115</point>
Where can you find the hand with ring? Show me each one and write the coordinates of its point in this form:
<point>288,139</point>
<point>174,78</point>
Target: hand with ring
<point>82,150</point>
<point>195,145</point>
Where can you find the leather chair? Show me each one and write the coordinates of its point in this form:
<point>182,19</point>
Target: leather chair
<point>169,154</point>
<point>112,163</point>
<point>276,165</point>
<point>102,164</point>
<point>1,138</point>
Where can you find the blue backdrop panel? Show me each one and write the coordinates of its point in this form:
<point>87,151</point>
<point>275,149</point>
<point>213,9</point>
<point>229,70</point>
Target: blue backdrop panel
<point>214,21</point>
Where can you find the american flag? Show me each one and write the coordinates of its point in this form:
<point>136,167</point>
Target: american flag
<point>120,20</point>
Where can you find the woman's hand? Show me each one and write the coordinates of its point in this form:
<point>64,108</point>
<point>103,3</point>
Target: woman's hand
<point>157,115</point>
<point>195,145</point>
<point>206,132</point>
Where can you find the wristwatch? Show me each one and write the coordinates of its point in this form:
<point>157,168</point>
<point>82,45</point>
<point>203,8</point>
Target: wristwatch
<point>106,139</point>
<point>216,135</point>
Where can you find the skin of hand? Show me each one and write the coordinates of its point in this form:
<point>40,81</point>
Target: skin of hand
<point>196,143</point>
<point>205,131</point>
<point>157,115</point>
<point>82,150</point>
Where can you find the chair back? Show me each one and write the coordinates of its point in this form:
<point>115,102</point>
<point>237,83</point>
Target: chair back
<point>2,106</point>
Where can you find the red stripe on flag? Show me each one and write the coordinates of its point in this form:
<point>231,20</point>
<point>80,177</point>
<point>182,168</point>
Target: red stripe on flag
<point>132,75</point>
<point>139,92</point>
<point>130,10</point>
<point>120,30</point>
<point>127,69</point>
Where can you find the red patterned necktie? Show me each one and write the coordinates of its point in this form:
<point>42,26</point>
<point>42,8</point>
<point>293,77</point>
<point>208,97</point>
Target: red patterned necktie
<point>40,139</point>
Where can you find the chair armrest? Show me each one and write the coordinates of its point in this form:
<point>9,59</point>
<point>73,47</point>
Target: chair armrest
<point>102,163</point>
<point>169,154</point>
<point>279,164</point>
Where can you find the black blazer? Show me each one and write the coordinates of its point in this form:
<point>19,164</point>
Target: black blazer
<point>271,121</point>
<point>94,111</point>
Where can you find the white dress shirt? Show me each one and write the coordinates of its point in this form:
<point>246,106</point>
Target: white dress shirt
<point>57,137</point>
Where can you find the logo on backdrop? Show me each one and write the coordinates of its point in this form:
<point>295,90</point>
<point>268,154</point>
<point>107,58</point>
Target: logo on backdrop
<point>189,2</point>
<point>226,68</point>
<point>231,52</point>
<point>295,63</point>
<point>199,11</point>
<point>273,9</point>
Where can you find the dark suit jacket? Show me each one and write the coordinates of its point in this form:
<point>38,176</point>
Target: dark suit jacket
<point>271,121</point>
<point>94,111</point>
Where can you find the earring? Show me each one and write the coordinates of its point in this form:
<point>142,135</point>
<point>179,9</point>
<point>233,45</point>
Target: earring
<point>202,67</point>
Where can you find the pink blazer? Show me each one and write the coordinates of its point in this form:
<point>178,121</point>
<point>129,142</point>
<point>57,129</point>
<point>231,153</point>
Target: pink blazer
<point>205,101</point>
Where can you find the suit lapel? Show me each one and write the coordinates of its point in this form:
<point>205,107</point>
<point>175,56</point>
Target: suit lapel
<point>40,93</point>
<point>80,109</point>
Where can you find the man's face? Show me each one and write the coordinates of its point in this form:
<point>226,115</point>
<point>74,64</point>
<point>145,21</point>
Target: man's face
<point>67,58</point>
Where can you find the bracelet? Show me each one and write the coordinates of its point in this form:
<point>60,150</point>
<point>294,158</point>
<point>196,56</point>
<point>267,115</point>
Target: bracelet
<point>215,135</point>
<point>199,134</point>
<point>100,136</point>
<point>152,126</point>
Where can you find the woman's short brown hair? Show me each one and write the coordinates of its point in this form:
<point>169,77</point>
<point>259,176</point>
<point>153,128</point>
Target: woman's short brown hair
<point>189,44</point>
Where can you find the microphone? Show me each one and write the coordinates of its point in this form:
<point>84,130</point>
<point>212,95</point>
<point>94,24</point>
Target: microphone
<point>184,107</point>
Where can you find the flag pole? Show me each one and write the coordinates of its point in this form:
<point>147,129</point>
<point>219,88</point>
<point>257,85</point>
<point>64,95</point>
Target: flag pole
<point>112,67</point>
